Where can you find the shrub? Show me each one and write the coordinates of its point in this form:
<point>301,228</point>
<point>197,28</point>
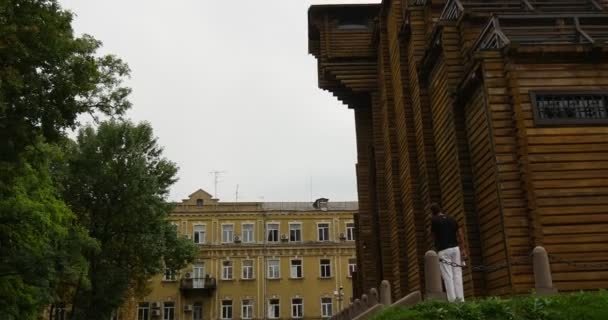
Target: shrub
<point>574,306</point>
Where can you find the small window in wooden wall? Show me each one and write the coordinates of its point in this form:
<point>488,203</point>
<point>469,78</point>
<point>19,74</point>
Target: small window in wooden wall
<point>353,23</point>
<point>570,108</point>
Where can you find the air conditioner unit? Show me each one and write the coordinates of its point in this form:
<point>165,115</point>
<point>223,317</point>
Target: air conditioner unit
<point>188,308</point>
<point>188,275</point>
<point>155,305</point>
<point>155,313</point>
<point>284,237</point>
<point>237,239</point>
<point>342,236</point>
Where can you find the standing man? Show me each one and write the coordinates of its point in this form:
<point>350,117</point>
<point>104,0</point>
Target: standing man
<point>448,236</point>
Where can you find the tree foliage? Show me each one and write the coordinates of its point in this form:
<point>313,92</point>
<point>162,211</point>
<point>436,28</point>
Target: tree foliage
<point>116,184</point>
<point>79,221</point>
<point>568,306</point>
<point>48,76</point>
<point>41,243</point>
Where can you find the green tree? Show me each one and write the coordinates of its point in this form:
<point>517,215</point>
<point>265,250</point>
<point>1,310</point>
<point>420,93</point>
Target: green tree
<point>116,184</point>
<point>41,244</point>
<point>48,76</point>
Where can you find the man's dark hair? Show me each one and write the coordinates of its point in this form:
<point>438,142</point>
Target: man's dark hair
<point>435,209</point>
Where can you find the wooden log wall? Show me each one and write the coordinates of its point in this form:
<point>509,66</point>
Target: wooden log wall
<point>492,235</point>
<point>391,165</point>
<point>412,214</point>
<point>451,146</point>
<point>427,179</point>
<point>513,214</point>
<point>565,171</point>
<point>385,216</point>
<point>369,260</point>
<point>440,121</point>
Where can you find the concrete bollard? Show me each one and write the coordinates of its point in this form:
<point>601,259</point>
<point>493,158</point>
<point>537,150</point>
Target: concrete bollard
<point>364,303</point>
<point>373,297</point>
<point>385,293</point>
<point>357,309</point>
<point>432,277</point>
<point>543,282</point>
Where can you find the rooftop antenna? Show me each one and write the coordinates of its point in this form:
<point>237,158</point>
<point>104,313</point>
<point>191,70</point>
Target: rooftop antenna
<point>216,179</point>
<point>236,196</point>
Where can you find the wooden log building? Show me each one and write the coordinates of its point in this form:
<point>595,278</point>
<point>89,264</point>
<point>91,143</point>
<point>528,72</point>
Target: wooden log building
<point>497,110</point>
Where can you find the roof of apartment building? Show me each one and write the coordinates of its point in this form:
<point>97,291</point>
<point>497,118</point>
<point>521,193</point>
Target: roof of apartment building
<point>201,200</point>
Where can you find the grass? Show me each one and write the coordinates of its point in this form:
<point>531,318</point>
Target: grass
<point>575,306</point>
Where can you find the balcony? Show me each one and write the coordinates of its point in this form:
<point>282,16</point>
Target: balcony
<point>203,286</point>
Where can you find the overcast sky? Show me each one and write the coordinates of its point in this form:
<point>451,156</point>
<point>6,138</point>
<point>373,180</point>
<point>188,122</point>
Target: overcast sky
<point>229,86</point>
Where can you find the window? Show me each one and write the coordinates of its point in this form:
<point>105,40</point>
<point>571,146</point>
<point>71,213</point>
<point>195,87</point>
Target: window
<point>326,305</point>
<point>274,309</point>
<point>352,266</point>
<point>353,23</point>
<point>247,233</point>
<point>295,232</point>
<point>295,270</point>
<point>198,275</point>
<point>199,202</point>
<point>350,231</point>
<point>297,308</point>
<point>274,269</point>
<point>323,231</point>
<point>168,311</point>
<point>273,232</point>
<point>247,309</point>
<point>143,311</point>
<point>169,275</point>
<point>227,233</point>
<point>325,268</point>
<point>197,311</point>
<point>226,270</point>
<point>200,232</point>
<point>226,309</point>
<point>247,269</point>
<point>557,108</point>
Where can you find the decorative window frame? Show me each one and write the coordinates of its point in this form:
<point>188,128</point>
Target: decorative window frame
<point>291,307</point>
<point>243,269</point>
<point>247,223</point>
<point>197,224</point>
<point>301,259</point>
<point>328,223</point>
<point>252,305</point>
<point>542,122</point>
<point>296,223</point>
<point>231,267</point>
<point>346,223</point>
<point>267,231</point>
<point>331,272</point>
<point>222,233</point>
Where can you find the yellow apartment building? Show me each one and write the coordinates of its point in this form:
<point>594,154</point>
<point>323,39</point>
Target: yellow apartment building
<point>258,260</point>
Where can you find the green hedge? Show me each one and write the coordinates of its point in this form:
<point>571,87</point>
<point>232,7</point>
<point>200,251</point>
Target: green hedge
<point>577,306</point>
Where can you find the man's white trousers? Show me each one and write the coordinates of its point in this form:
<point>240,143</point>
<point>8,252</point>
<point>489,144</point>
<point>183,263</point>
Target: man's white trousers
<point>452,276</point>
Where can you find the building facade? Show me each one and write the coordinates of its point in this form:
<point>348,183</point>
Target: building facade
<point>497,110</point>
<point>258,261</point>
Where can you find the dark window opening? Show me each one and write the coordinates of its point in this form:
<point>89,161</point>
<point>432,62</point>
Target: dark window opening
<point>353,23</point>
<point>556,108</point>
<point>199,202</point>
